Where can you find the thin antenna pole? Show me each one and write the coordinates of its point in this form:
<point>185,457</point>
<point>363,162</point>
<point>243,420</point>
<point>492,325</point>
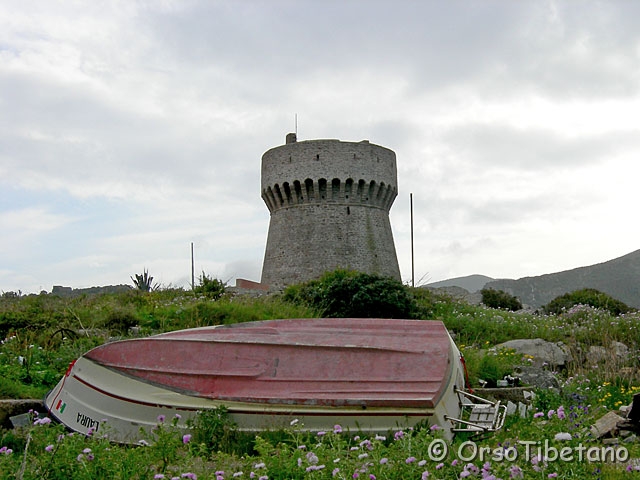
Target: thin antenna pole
<point>412,259</point>
<point>193,279</point>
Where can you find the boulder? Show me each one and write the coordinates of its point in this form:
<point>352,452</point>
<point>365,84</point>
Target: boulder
<point>541,352</point>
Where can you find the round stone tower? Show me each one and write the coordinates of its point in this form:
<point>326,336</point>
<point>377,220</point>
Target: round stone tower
<point>329,203</point>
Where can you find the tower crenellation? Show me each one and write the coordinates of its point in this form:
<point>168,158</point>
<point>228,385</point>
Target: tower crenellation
<point>329,203</point>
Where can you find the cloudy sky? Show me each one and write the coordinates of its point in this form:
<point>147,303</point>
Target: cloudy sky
<point>129,129</point>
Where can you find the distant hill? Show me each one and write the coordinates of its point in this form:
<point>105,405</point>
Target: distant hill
<point>471,283</point>
<point>619,278</point>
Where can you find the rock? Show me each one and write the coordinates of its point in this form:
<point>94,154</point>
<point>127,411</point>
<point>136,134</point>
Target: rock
<point>537,377</point>
<point>542,352</point>
<point>620,350</point>
<point>606,425</point>
<point>596,354</point>
<point>11,408</point>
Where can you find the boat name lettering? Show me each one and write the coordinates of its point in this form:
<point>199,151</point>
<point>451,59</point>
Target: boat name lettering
<point>86,421</point>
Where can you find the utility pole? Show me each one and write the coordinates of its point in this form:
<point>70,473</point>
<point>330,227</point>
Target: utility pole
<point>193,279</point>
<point>412,260</point>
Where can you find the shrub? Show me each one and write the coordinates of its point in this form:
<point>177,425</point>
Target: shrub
<point>500,299</point>
<point>586,296</point>
<point>345,294</point>
<point>209,287</point>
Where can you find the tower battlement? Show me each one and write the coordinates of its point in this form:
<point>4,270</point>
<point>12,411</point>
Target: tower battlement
<point>329,203</point>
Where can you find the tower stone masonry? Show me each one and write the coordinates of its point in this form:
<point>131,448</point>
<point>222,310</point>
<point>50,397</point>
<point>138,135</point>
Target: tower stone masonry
<point>329,203</point>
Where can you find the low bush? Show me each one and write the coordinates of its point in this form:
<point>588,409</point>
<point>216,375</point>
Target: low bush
<point>349,294</point>
<point>500,299</point>
<point>586,296</point>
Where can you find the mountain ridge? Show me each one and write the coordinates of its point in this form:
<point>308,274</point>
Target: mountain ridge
<point>619,277</point>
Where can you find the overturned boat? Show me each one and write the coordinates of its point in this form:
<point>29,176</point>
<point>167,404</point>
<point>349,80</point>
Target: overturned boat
<point>369,375</point>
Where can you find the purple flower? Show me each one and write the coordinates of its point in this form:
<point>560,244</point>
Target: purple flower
<point>465,473</point>
<point>550,413</point>
<point>410,460</point>
<point>552,475</point>
<point>161,420</point>
<point>538,415</point>
<point>398,435</point>
<point>158,476</point>
<point>425,474</point>
<point>435,427</point>
<point>561,414</point>
<point>337,429</point>
<point>439,466</point>
<point>384,460</point>
<point>48,448</point>
<point>422,463</point>
<point>321,433</point>
<point>186,438</point>
<point>516,472</point>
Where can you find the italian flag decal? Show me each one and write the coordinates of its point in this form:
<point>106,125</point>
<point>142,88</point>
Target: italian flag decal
<point>60,406</point>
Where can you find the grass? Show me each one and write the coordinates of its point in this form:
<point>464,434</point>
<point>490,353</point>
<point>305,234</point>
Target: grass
<point>42,334</point>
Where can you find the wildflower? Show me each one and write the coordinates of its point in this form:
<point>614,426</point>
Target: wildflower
<point>465,473</point>
<point>384,461</point>
<point>439,466</point>
<point>552,475</point>
<point>372,476</point>
<point>263,477</point>
<point>48,448</point>
<point>363,455</point>
<point>186,438</point>
<point>312,458</point>
<point>312,468</point>
<point>260,465</point>
<point>410,460</point>
<point>321,433</point>
<point>161,420</point>
<point>337,429</point>
<point>367,444</point>
<point>380,438</point>
<point>42,421</point>
<point>302,447</point>
<point>560,412</point>
<point>538,414</point>
<point>422,463</point>
<point>237,474</point>
<point>189,475</point>
<point>335,472</point>
<point>158,476</point>
<point>425,474</point>
<point>516,472</point>
<point>455,462</point>
<point>398,435</point>
<point>562,436</point>
<point>550,413</point>
<point>178,416</point>
<point>435,427</point>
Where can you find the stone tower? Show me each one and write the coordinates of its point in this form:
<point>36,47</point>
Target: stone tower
<point>329,203</point>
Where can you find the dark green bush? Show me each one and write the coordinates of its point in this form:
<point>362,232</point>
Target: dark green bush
<point>500,299</point>
<point>209,287</point>
<point>120,320</point>
<point>349,294</point>
<point>586,296</point>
